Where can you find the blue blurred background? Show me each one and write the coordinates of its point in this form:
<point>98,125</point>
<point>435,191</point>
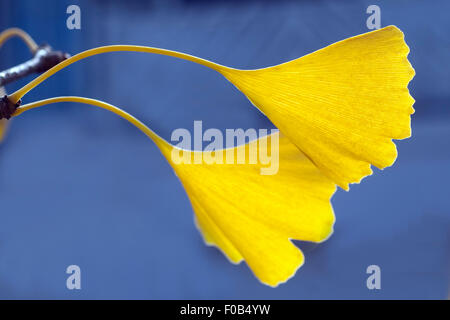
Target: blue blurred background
<point>80,186</point>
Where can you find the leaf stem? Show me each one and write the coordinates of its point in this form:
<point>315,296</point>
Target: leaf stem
<point>97,103</point>
<point>16,96</point>
<point>16,32</point>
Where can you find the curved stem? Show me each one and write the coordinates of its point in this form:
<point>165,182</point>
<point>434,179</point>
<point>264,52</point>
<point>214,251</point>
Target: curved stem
<point>146,130</point>
<point>16,96</point>
<point>16,32</point>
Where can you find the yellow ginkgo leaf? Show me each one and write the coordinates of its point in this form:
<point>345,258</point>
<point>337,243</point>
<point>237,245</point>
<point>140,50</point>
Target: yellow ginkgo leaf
<point>341,105</point>
<point>252,216</point>
<point>248,215</point>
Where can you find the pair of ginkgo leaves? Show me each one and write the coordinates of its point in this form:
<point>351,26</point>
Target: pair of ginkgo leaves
<point>337,110</point>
